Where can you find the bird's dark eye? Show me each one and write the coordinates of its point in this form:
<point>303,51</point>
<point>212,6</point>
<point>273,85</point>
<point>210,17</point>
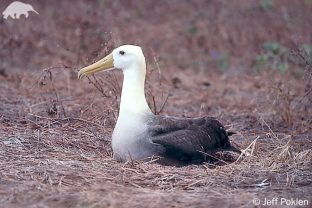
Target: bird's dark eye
<point>121,52</point>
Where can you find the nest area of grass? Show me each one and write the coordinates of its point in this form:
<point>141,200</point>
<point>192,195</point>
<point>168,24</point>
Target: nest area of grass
<point>56,151</point>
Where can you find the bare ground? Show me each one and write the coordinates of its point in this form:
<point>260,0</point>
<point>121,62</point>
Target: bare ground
<point>55,130</point>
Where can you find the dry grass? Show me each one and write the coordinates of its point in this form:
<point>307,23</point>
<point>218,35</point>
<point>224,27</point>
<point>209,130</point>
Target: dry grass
<point>65,159</point>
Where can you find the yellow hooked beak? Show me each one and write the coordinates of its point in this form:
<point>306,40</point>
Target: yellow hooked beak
<point>106,63</point>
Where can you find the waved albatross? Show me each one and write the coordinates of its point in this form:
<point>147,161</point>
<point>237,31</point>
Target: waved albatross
<point>139,134</point>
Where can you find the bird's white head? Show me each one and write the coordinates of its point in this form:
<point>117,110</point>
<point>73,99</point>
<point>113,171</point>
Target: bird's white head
<point>131,61</point>
<point>126,58</point>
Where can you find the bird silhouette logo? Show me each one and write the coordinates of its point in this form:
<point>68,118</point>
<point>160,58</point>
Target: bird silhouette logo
<point>16,9</point>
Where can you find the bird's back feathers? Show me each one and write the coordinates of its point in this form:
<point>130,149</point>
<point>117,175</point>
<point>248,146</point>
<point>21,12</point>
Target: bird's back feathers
<point>189,139</point>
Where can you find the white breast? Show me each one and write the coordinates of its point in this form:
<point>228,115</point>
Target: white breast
<point>130,137</point>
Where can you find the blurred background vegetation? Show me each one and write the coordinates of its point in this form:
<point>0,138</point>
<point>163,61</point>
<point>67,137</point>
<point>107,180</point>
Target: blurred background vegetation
<point>203,36</point>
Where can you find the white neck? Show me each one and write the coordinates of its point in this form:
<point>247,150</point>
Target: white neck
<point>132,96</point>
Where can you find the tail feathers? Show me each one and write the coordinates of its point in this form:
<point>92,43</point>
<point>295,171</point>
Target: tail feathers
<point>230,133</point>
<point>231,147</point>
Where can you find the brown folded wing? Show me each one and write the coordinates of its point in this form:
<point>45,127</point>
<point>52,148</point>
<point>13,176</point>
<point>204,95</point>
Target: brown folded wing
<point>189,139</point>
